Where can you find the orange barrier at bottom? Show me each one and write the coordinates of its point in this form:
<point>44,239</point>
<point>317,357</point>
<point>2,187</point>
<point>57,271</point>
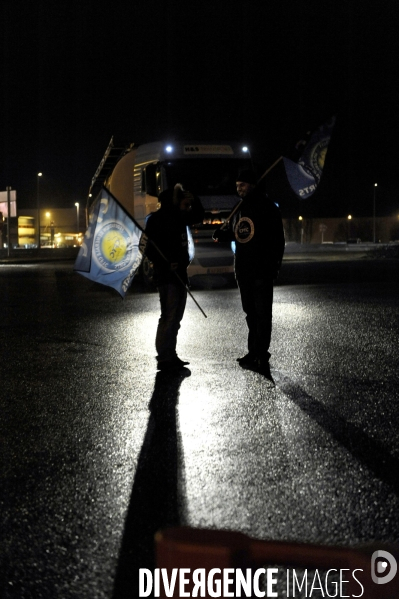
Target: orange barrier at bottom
<point>205,563</point>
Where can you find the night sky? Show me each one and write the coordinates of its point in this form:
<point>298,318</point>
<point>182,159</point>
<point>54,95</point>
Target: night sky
<point>75,73</point>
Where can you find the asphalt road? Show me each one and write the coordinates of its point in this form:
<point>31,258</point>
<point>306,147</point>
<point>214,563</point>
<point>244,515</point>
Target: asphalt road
<point>98,451</point>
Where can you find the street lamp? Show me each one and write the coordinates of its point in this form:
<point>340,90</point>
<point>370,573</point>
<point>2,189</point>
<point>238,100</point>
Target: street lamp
<point>48,215</point>
<point>349,225</point>
<point>375,189</point>
<point>300,218</point>
<point>38,208</point>
<point>77,216</point>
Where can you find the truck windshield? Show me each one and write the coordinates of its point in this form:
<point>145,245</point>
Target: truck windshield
<point>205,177</point>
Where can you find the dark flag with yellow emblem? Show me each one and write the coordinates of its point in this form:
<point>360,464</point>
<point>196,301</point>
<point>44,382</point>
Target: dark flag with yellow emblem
<point>113,245</point>
<point>305,174</point>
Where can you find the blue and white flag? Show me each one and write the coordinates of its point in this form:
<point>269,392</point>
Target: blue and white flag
<point>304,175</point>
<point>113,245</point>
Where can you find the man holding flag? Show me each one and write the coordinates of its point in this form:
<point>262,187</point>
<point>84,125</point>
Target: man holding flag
<point>167,230</point>
<point>257,230</point>
<point>114,246</point>
<point>255,225</point>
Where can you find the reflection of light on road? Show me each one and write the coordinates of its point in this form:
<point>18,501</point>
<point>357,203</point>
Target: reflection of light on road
<point>135,330</point>
<point>294,330</point>
<point>291,311</point>
<point>140,332</point>
<point>201,447</point>
<point>195,411</point>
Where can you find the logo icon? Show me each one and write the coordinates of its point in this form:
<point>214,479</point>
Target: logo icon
<point>113,246</point>
<point>244,230</point>
<point>383,567</point>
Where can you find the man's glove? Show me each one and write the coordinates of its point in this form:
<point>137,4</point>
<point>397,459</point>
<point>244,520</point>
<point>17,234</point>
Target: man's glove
<point>223,234</point>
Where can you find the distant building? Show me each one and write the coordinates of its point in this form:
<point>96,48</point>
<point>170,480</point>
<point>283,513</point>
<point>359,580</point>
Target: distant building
<point>59,227</point>
<point>338,230</point>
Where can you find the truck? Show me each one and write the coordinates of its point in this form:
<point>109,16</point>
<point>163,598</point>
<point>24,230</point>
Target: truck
<point>136,175</point>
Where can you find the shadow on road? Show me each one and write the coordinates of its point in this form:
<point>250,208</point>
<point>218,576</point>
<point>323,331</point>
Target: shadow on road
<point>154,498</point>
<point>368,451</point>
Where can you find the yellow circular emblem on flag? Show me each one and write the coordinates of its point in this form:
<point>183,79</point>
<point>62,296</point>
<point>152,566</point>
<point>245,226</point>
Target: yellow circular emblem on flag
<point>113,246</point>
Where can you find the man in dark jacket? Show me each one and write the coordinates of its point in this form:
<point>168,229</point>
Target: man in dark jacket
<point>167,228</point>
<point>257,230</point>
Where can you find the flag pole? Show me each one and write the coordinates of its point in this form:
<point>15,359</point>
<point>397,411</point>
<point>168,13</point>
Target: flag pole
<point>175,273</point>
<point>270,168</point>
<point>190,294</point>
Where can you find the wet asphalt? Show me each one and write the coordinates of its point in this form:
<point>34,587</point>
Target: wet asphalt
<point>98,450</point>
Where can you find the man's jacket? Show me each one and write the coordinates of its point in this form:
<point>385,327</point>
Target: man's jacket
<point>167,228</point>
<point>257,229</point>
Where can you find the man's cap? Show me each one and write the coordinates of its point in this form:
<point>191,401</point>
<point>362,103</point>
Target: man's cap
<point>166,197</point>
<point>247,176</point>
<point>172,196</point>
